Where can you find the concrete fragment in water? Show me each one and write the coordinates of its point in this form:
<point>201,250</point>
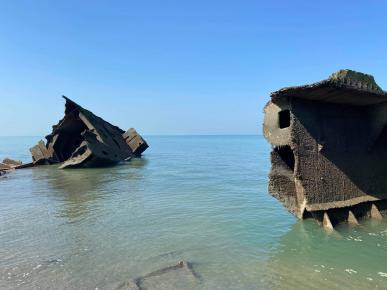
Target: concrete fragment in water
<point>82,139</point>
<point>12,163</point>
<point>41,155</point>
<point>9,164</point>
<point>4,166</point>
<point>135,142</point>
<point>329,147</point>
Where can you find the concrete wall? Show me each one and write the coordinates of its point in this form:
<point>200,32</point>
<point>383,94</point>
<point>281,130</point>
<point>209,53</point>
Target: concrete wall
<point>340,154</point>
<point>341,163</point>
<point>274,134</point>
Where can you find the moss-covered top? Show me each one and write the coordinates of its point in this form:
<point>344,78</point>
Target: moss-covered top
<point>356,80</point>
<point>342,87</point>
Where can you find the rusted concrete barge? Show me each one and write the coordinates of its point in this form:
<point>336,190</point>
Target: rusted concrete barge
<point>82,139</point>
<point>329,148</point>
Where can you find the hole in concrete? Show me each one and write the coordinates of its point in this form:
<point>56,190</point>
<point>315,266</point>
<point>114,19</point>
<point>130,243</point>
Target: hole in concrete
<point>284,119</point>
<point>69,138</point>
<point>306,214</point>
<point>287,155</point>
<point>80,151</point>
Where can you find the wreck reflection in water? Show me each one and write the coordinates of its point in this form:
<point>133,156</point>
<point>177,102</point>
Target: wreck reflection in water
<point>81,192</point>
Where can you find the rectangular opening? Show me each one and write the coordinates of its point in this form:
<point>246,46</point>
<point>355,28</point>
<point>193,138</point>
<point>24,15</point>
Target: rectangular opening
<point>284,119</point>
<point>287,156</point>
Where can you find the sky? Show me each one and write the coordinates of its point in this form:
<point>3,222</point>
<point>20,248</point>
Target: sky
<point>176,67</point>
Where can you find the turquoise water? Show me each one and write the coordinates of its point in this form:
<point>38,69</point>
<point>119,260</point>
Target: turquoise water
<point>201,199</point>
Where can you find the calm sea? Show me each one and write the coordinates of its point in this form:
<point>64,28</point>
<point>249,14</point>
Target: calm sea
<point>201,199</point>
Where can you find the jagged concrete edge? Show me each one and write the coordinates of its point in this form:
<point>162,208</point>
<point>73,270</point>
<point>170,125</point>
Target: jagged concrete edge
<point>339,80</point>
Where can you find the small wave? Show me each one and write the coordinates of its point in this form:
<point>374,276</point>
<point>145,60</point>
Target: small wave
<point>382,274</point>
<point>350,271</point>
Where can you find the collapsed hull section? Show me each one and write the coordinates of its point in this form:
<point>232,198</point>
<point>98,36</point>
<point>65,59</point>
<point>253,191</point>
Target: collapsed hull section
<point>135,142</point>
<point>82,139</point>
<point>329,142</point>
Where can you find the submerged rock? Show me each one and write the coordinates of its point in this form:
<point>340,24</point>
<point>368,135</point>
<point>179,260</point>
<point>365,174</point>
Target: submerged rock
<point>4,166</point>
<point>128,285</point>
<point>179,276</point>
<point>12,163</point>
<point>329,156</point>
<point>82,139</point>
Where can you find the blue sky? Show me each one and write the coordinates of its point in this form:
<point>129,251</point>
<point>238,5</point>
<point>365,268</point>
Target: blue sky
<point>176,67</point>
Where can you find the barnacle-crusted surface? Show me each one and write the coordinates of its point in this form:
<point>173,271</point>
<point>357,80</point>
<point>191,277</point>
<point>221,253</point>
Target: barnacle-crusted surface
<point>336,143</point>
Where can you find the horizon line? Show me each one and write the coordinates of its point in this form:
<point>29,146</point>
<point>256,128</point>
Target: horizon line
<point>151,135</point>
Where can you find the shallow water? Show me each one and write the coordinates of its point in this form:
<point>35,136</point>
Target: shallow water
<point>201,199</point>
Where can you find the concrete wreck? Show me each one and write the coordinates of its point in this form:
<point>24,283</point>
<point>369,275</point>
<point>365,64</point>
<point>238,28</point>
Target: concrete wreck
<point>82,139</point>
<point>329,148</point>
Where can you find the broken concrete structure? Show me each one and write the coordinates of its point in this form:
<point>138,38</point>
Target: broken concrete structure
<point>135,142</point>
<point>8,165</point>
<point>12,163</point>
<point>329,157</point>
<point>82,139</point>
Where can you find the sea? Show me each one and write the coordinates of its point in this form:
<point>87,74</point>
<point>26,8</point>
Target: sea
<point>202,200</point>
